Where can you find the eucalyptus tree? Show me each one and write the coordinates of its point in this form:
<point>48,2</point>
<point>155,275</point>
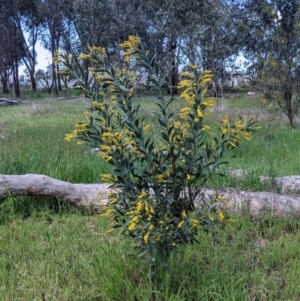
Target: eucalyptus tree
<point>12,48</point>
<point>54,21</point>
<point>29,20</point>
<point>270,32</point>
<point>167,23</point>
<point>107,23</point>
<point>193,32</point>
<point>217,40</point>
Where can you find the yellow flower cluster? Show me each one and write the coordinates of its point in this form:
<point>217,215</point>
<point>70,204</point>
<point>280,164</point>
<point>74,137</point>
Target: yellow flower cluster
<point>235,132</point>
<point>194,93</point>
<point>107,211</point>
<point>79,128</point>
<point>140,212</point>
<point>117,141</point>
<point>189,85</point>
<point>130,47</point>
<point>95,55</point>
<point>192,222</point>
<point>107,178</point>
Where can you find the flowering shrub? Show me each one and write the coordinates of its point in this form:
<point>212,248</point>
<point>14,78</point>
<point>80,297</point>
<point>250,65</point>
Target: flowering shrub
<point>159,201</point>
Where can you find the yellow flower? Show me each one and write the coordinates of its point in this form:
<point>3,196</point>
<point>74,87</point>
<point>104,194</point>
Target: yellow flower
<point>199,113</point>
<point>220,216</point>
<point>139,206</point>
<point>107,178</point>
<point>69,137</point>
<point>107,212</point>
<point>151,210</point>
<point>180,224</point>
<point>195,223</point>
<point>135,219</point>
<point>146,237</point>
<point>131,227</point>
<point>142,195</point>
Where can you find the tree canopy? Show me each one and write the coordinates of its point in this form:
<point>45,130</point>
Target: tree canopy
<point>206,33</point>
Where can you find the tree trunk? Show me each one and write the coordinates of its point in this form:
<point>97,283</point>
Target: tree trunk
<point>5,88</point>
<point>32,80</point>
<point>173,75</point>
<point>58,79</point>
<point>54,82</point>
<point>86,71</point>
<point>49,88</point>
<point>291,121</point>
<point>288,107</point>
<point>54,77</point>
<point>16,79</point>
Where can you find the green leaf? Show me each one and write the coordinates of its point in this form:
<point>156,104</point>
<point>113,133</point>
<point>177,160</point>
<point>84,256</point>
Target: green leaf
<point>143,252</point>
<point>123,88</point>
<point>165,136</point>
<point>162,121</point>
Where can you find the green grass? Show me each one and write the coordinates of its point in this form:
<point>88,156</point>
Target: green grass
<point>41,94</point>
<point>60,255</point>
<point>32,141</point>
<point>50,252</point>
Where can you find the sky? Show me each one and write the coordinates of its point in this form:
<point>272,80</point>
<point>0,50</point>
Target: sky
<point>43,57</point>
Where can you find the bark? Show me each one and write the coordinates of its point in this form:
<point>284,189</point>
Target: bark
<point>86,196</point>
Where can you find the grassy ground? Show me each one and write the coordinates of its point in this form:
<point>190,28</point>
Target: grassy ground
<point>32,141</point>
<point>49,252</point>
<point>41,94</point>
<point>60,255</point>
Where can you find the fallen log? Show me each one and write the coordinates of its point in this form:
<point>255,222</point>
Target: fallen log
<point>9,101</point>
<point>86,196</point>
<point>81,196</point>
<point>260,202</point>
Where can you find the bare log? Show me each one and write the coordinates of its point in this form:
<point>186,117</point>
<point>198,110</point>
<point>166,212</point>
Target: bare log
<point>260,202</point>
<point>85,196</point>
<point>79,195</point>
<point>8,101</point>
